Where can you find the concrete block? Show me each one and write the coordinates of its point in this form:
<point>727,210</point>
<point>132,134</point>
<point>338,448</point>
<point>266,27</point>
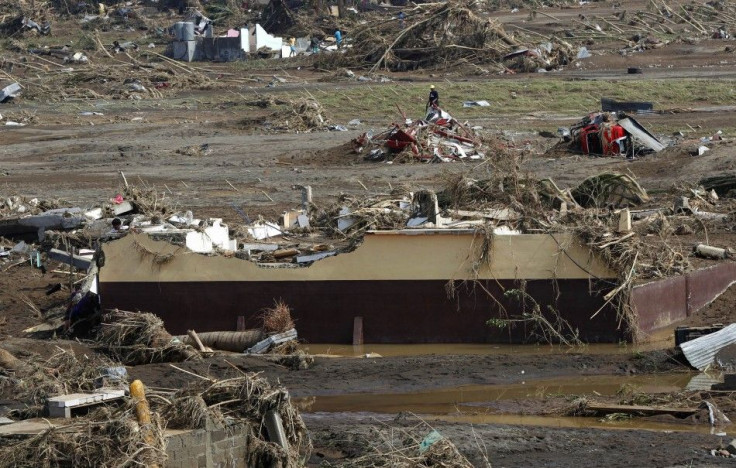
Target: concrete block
<point>65,257</point>
<point>624,221</point>
<point>184,50</point>
<point>122,208</point>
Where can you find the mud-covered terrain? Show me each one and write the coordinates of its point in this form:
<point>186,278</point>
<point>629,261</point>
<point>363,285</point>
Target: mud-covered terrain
<point>193,144</point>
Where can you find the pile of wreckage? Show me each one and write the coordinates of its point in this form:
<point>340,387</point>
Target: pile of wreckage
<point>436,138</point>
<point>637,244</point>
<point>466,203</point>
<point>611,134</point>
<point>88,413</point>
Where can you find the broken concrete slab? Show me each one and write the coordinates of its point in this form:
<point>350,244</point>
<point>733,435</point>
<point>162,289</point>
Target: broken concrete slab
<point>264,230</point>
<point>9,92</point>
<point>93,214</point>
<point>63,218</point>
<point>260,247</point>
<point>77,261</point>
<point>123,208</point>
<point>314,257</point>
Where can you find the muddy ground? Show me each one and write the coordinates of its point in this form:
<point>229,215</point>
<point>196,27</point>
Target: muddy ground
<point>63,155</point>
<point>350,431</point>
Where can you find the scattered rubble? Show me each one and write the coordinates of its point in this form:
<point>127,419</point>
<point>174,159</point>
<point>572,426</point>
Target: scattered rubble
<point>437,138</point>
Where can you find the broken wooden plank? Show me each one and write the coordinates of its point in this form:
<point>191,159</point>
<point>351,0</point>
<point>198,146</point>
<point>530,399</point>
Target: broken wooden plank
<point>263,345</point>
<point>61,406</point>
<point>639,409</point>
<point>504,214</point>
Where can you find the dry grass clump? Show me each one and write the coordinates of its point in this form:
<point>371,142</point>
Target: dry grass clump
<point>34,381</point>
<point>277,319</point>
<point>301,115</point>
<point>139,338</point>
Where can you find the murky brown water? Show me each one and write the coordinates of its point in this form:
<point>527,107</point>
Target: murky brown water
<point>472,397</point>
<point>387,350</point>
<point>472,403</point>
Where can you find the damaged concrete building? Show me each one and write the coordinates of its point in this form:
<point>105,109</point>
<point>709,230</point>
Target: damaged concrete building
<point>237,44</point>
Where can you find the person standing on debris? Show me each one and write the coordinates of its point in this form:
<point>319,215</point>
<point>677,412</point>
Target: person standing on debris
<point>338,38</point>
<point>315,44</point>
<point>434,98</point>
<point>401,19</point>
<point>117,228</point>
<point>292,46</point>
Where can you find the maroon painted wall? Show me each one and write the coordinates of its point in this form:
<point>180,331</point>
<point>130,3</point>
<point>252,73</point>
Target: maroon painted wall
<point>392,311</point>
<point>668,301</point>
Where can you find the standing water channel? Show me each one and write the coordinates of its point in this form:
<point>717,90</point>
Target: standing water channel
<point>486,404</point>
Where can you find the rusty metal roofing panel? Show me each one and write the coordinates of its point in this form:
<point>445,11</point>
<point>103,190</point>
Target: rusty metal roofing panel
<point>701,352</point>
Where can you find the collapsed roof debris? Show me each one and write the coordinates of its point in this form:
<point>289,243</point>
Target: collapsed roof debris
<point>436,138</point>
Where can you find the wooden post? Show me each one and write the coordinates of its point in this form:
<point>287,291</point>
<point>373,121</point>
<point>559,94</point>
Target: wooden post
<point>275,429</point>
<point>193,335</point>
<point>142,413</point>
<point>358,331</point>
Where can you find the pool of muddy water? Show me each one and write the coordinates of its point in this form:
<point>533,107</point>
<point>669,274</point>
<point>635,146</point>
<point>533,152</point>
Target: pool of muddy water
<point>476,403</point>
<point>387,350</point>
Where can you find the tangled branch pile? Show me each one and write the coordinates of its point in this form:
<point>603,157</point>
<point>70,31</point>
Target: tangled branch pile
<point>298,115</point>
<point>248,399</point>
<point>34,380</point>
<point>139,338</point>
<point>104,439</point>
<point>135,78</point>
<point>442,36</point>
<point>148,201</point>
<point>417,446</point>
<point>361,215</point>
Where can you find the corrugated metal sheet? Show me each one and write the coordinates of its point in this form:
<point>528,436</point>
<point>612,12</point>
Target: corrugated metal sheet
<point>641,134</point>
<point>703,381</point>
<point>700,352</point>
